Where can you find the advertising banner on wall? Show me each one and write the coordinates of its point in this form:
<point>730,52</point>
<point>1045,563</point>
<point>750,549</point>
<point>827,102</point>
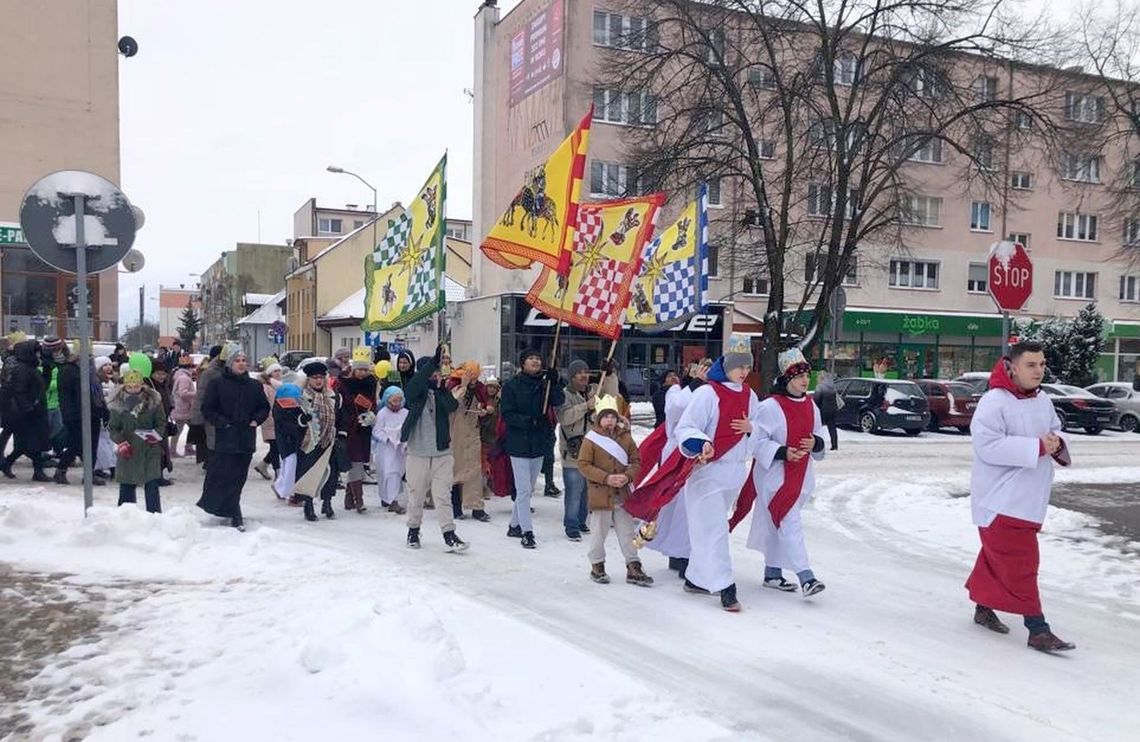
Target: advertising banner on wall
<point>536,53</point>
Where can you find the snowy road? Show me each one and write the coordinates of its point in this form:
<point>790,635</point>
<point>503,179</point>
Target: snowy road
<point>888,652</point>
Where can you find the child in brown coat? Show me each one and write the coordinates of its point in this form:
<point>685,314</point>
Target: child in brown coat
<point>609,461</point>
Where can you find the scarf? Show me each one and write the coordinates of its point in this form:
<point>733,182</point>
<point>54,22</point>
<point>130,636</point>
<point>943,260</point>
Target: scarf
<point>799,418</point>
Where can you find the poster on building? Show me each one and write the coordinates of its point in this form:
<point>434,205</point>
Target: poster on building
<point>536,52</point>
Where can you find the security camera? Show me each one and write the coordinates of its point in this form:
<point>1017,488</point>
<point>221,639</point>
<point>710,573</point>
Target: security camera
<point>128,47</point>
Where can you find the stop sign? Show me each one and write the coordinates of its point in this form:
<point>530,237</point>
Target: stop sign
<point>1010,275</point>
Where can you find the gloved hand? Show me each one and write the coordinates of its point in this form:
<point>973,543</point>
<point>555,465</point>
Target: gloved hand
<point>552,375</point>
<point>366,418</point>
<point>304,419</point>
<point>124,450</point>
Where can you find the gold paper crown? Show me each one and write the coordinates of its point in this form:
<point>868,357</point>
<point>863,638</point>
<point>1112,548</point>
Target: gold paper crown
<point>606,403</point>
<point>789,358</point>
<point>362,353</point>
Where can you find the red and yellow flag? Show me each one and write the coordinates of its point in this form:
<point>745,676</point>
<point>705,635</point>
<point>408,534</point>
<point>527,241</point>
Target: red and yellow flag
<point>604,259</point>
<point>539,222</point>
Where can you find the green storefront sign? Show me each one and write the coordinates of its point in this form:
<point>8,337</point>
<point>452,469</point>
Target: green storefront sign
<point>918,324</point>
<point>11,235</point>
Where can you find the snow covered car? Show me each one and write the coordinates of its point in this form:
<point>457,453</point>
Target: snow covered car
<point>872,405</point>
<point>1126,399</point>
<point>1080,409</point>
<point>951,403</point>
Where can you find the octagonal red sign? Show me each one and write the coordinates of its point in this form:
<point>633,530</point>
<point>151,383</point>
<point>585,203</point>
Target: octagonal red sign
<point>1010,275</point>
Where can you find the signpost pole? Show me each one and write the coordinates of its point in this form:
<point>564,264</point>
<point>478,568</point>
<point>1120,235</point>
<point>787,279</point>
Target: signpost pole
<point>1004,334</point>
<point>84,351</point>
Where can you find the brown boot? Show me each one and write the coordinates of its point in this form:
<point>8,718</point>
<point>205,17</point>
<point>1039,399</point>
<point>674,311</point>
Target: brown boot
<point>358,496</point>
<point>598,573</point>
<point>986,617</point>
<point>1047,641</point>
<point>634,575</point>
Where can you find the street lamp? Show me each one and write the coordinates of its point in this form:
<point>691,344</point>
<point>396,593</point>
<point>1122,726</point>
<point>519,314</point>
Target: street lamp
<point>342,171</point>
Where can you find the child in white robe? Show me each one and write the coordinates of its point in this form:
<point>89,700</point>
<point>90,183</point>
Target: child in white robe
<point>392,453</point>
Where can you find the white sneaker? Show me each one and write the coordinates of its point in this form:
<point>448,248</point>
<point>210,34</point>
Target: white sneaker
<point>779,583</point>
<point>813,587</point>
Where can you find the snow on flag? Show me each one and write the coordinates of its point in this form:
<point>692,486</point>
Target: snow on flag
<point>539,221</point>
<point>603,260</point>
<point>403,276</point>
<point>672,284</point>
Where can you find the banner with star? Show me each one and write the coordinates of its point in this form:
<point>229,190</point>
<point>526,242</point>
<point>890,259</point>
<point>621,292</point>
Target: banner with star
<point>672,284</point>
<point>539,221</point>
<point>403,277</point>
<point>603,260</point>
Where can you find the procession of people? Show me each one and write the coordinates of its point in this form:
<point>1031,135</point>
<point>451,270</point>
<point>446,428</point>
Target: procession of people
<point>429,435</point>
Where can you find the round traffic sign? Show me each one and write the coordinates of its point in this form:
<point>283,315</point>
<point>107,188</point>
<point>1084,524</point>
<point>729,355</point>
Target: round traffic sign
<point>51,226</point>
<point>1010,280</point>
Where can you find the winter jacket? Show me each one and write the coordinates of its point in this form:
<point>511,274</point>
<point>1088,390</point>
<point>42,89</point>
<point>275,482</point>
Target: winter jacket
<point>530,432</point>
<point>205,379</point>
<point>357,396</point>
<point>183,395</point>
<point>595,464</point>
<point>416,392</point>
<point>489,423</point>
<point>465,444</point>
<point>574,419</point>
<point>70,396</point>
<point>825,399</point>
<point>25,400</point>
<point>287,426</point>
<point>269,427</point>
<point>230,405</point>
<point>166,391</point>
<point>145,462</point>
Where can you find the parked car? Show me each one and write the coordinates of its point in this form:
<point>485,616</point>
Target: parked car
<point>1127,401</point>
<point>292,358</point>
<point>1080,409</point>
<point>979,380</point>
<point>951,403</point>
<point>882,404</point>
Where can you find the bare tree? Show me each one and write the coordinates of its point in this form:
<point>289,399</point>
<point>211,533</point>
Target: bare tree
<point>810,114</point>
<point>222,306</point>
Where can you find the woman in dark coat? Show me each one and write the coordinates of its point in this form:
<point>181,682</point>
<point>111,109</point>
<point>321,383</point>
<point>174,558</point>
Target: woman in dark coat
<point>235,406</point>
<point>24,400</point>
<point>356,414</point>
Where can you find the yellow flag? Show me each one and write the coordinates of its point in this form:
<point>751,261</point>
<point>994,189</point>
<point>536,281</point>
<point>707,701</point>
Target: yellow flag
<point>539,221</point>
<point>403,276</point>
<point>605,258</point>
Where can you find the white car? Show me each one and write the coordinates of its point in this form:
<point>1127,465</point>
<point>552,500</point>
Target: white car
<point>1127,401</point>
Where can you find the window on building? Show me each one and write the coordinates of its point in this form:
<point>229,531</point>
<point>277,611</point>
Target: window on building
<point>767,149</point>
<point>825,132</point>
<point>711,122</point>
<point>1080,166</point>
<point>357,223</point>
<point>612,179</point>
<point>756,285</point>
<point>925,82</point>
<point>984,152</point>
<point>714,258</point>
<point>1084,107</point>
<point>762,77</point>
<point>1074,285</point>
<point>980,216</point>
<point>922,211</point>
<point>978,276</point>
<point>624,32</point>
<point>1021,181</point>
<point>714,192</point>
<point>1130,288</point>
<point>812,261</point>
<point>985,89</point>
<point>329,226</point>
<point>1023,121</point>
<point>846,69</point>
<point>715,50</point>
<point>615,106</point>
<point>819,200</point>
<point>1022,238</point>
<point>1134,173</point>
<point>929,151</point>
<point>1132,231</point>
<point>1077,226</point>
<point>913,274</point>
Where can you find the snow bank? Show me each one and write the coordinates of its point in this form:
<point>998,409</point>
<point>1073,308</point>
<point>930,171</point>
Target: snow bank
<point>217,635</point>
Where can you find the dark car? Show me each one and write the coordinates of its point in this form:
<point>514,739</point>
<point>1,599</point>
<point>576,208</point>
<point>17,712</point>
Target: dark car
<point>951,403</point>
<point>294,357</point>
<point>1080,409</point>
<point>979,381</point>
<point>882,404</point>
<point>1127,401</point>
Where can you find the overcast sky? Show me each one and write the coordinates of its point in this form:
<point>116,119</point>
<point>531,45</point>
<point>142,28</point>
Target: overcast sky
<point>233,110</point>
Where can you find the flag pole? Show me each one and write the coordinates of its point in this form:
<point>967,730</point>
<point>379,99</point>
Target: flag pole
<point>554,349</point>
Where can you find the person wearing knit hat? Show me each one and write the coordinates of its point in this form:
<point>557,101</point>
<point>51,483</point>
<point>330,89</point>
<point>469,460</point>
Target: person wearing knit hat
<point>357,414</point>
<point>235,406</point>
<point>389,453</point>
<point>575,416</point>
<point>288,433</point>
<point>136,426</point>
<point>202,433</point>
<point>708,470</point>
<point>788,442</point>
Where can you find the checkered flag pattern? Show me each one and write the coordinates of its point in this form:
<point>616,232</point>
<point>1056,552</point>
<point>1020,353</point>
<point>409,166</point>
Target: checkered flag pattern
<point>421,287</point>
<point>394,240</point>
<point>589,228</point>
<point>673,292</point>
<point>598,292</point>
<point>647,253</point>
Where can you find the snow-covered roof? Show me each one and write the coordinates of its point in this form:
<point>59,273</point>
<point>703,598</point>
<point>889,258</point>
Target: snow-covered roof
<point>268,313</point>
<point>353,305</point>
<point>257,300</point>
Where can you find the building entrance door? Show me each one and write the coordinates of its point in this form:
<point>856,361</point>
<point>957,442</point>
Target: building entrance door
<point>918,362</point>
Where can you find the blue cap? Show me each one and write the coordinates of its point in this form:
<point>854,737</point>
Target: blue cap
<point>288,391</point>
<point>390,392</point>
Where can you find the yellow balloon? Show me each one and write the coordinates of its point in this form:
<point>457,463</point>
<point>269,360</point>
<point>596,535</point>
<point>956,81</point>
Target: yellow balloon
<point>383,368</point>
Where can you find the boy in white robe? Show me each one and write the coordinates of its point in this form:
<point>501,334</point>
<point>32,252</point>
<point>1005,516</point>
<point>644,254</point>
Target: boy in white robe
<point>788,441</point>
<point>392,454</point>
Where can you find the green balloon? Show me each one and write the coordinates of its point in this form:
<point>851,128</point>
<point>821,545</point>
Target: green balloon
<point>141,363</point>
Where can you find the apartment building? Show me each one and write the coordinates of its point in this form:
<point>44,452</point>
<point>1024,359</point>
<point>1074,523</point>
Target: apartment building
<point>920,302</point>
<point>313,220</point>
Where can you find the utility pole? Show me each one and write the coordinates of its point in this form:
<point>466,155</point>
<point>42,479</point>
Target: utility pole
<point>142,300</point>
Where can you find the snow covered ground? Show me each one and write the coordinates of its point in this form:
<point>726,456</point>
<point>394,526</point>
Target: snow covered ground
<point>336,630</point>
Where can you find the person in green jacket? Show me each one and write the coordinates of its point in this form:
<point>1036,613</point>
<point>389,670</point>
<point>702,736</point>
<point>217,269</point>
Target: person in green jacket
<point>138,422</point>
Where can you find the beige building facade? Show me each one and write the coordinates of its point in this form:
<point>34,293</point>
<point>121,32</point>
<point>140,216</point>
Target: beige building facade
<point>920,301</point>
<point>59,109</point>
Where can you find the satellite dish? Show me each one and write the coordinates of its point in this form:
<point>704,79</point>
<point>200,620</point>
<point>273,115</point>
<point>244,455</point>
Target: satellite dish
<point>128,47</point>
<point>134,261</point>
<point>140,217</point>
